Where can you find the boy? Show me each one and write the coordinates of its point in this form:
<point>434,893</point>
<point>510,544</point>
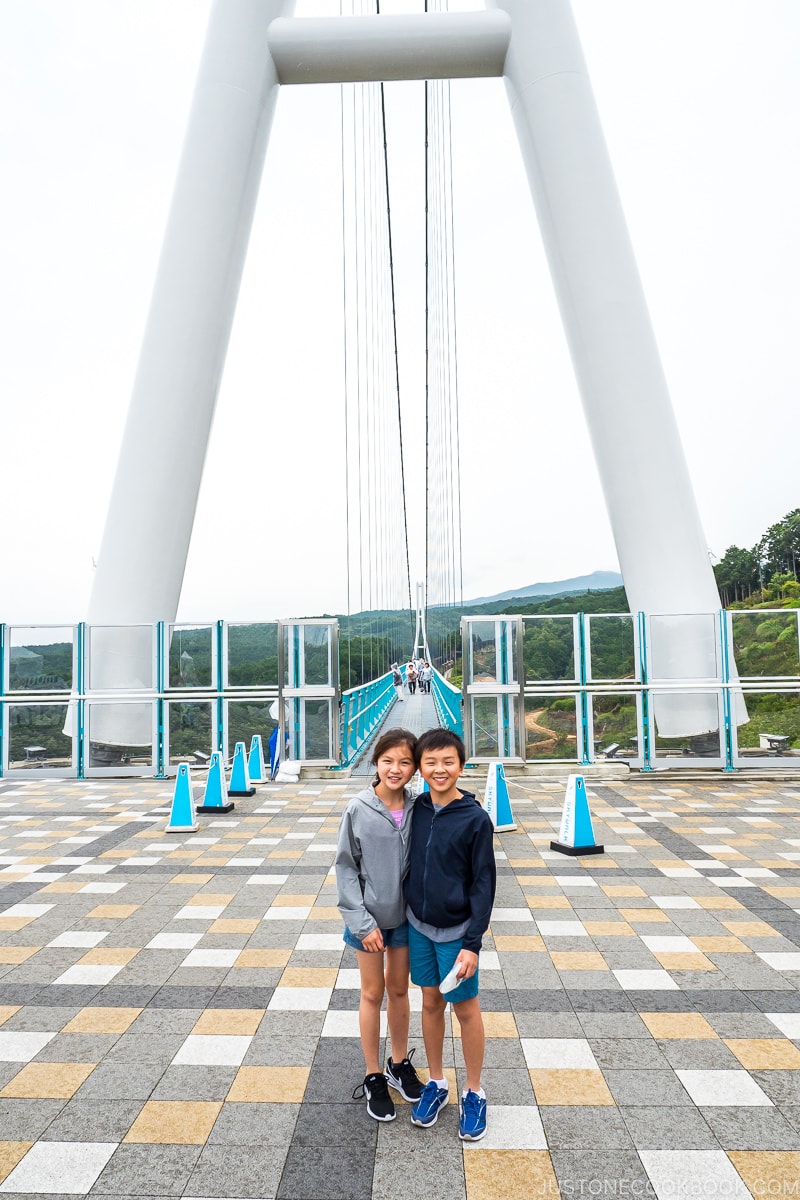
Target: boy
<point>449,895</point>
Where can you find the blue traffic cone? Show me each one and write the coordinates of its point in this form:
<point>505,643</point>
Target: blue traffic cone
<point>240,779</point>
<point>576,835</point>
<point>182,818</point>
<point>215,798</point>
<point>496,799</point>
<point>256,767</point>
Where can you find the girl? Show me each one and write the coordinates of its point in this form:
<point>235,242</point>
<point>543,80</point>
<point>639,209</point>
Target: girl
<point>371,864</point>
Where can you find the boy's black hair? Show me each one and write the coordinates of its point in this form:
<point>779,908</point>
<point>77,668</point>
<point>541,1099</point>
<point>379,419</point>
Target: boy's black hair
<point>439,739</point>
<point>391,739</point>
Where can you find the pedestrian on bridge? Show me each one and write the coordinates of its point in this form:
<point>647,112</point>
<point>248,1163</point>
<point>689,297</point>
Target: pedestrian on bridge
<point>397,680</point>
<point>425,677</point>
<point>411,677</point>
<point>371,864</point>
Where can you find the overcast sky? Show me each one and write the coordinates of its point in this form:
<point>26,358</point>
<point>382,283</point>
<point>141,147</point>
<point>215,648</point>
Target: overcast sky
<point>700,102</point>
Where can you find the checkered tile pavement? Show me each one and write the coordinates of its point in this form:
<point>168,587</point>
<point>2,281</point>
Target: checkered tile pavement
<point>178,1013</point>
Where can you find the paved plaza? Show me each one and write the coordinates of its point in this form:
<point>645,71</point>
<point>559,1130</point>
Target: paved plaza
<point>178,1013</point>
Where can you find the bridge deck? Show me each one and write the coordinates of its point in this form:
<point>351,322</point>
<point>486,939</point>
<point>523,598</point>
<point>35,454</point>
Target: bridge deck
<point>179,1014</point>
<point>415,713</point>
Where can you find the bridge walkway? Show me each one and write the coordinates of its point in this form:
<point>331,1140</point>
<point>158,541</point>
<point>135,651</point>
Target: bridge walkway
<point>415,713</point>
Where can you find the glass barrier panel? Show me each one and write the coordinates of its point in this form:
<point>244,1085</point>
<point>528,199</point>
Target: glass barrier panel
<point>120,657</point>
<point>615,725</point>
<point>686,724</point>
<point>119,735</point>
<point>312,732</point>
<point>485,726</point>
<point>246,717</point>
<point>548,650</point>
<point>551,727</point>
<point>773,727</point>
<point>190,728</point>
<point>611,647</point>
<point>683,647</point>
<point>317,655</point>
<point>36,736</point>
<point>253,655</point>
<point>492,651</point>
<point>190,662</point>
<point>765,643</point>
<point>39,658</point>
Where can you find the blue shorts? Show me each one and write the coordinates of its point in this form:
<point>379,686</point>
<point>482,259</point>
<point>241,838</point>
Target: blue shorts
<point>432,961</point>
<point>391,937</point>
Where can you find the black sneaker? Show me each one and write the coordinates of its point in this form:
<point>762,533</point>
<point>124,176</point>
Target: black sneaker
<point>380,1105</point>
<point>404,1079</point>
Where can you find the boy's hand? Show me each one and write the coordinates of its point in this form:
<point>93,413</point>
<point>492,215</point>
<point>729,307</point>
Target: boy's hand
<point>373,942</point>
<point>467,963</point>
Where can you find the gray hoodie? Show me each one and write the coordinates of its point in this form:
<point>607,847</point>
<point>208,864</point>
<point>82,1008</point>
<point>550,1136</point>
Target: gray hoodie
<point>371,864</point>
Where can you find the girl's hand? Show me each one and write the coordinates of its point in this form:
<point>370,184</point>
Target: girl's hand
<point>467,963</point>
<point>373,942</point>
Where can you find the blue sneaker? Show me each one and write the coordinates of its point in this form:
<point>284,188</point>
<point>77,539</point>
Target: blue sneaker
<point>426,1111</point>
<point>472,1126</point>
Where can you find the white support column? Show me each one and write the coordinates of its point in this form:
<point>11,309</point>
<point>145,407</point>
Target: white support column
<point>151,512</point>
<point>660,542</point>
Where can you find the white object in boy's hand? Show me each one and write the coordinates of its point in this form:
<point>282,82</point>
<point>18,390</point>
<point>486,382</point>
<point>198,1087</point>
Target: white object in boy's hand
<point>451,979</point>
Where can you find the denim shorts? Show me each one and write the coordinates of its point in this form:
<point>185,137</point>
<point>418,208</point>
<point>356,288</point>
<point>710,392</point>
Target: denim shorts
<point>391,937</point>
<point>432,961</point>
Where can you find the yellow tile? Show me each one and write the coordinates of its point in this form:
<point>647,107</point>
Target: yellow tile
<point>288,854</point>
<point>61,888</point>
<point>578,960</point>
<point>569,1086</point>
<point>108,956</point>
<point>205,861</point>
<point>509,1174</point>
<point>10,1154</point>
<point>684,961</point>
<point>48,1081</point>
<point>17,954</point>
<point>745,929</point>
<point>779,891</point>
<point>517,863</point>
<point>275,1085</point>
<point>644,916</point>
<point>102,1020</point>
<point>191,877</point>
<point>241,1021</point>
<point>688,1026</point>
<point>181,854</point>
<point>263,958</point>
<point>495,1025</point>
<point>765,1054</point>
<point>309,977</point>
<point>210,898</point>
<point>721,945</point>
<point>322,913</point>
<point>288,901</point>
<point>116,853</point>
<point>515,943</point>
<point>548,901</point>
<point>233,925</point>
<point>112,912</point>
<point>768,1172</point>
<point>608,929</point>
<point>174,1122</point>
<point>14,924</point>
<point>7,1012</point>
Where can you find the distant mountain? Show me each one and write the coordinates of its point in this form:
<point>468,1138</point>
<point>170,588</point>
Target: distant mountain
<point>598,581</point>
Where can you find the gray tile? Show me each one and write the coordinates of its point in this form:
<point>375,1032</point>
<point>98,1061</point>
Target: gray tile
<point>147,1170</point>
<point>347,1125</point>
<point>612,1025</point>
<point>194,1083</point>
<point>224,1170</point>
<point>665,1128</point>
<point>544,1024</point>
<point>646,1088</point>
<point>741,1025</point>
<point>26,1120</point>
<point>431,1166</point>
<point>39,1018</point>
<point>121,1081</point>
<point>633,1054</point>
<point>105,1120</point>
<point>243,1124</point>
<point>700,1054</point>
<point>782,1087</point>
<point>503,1085</point>
<point>752,1129</point>
<point>170,1021</point>
<point>268,1050</point>
<point>77,1047</point>
<point>336,1062</point>
<point>612,1172</point>
<point>584,1127</point>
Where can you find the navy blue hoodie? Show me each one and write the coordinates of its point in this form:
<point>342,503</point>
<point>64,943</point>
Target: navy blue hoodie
<point>452,875</point>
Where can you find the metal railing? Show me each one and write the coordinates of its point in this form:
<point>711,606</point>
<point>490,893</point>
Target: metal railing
<point>447,700</point>
<point>361,711</point>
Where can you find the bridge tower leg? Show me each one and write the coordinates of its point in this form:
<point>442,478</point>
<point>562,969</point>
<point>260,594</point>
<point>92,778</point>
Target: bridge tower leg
<point>149,523</point>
